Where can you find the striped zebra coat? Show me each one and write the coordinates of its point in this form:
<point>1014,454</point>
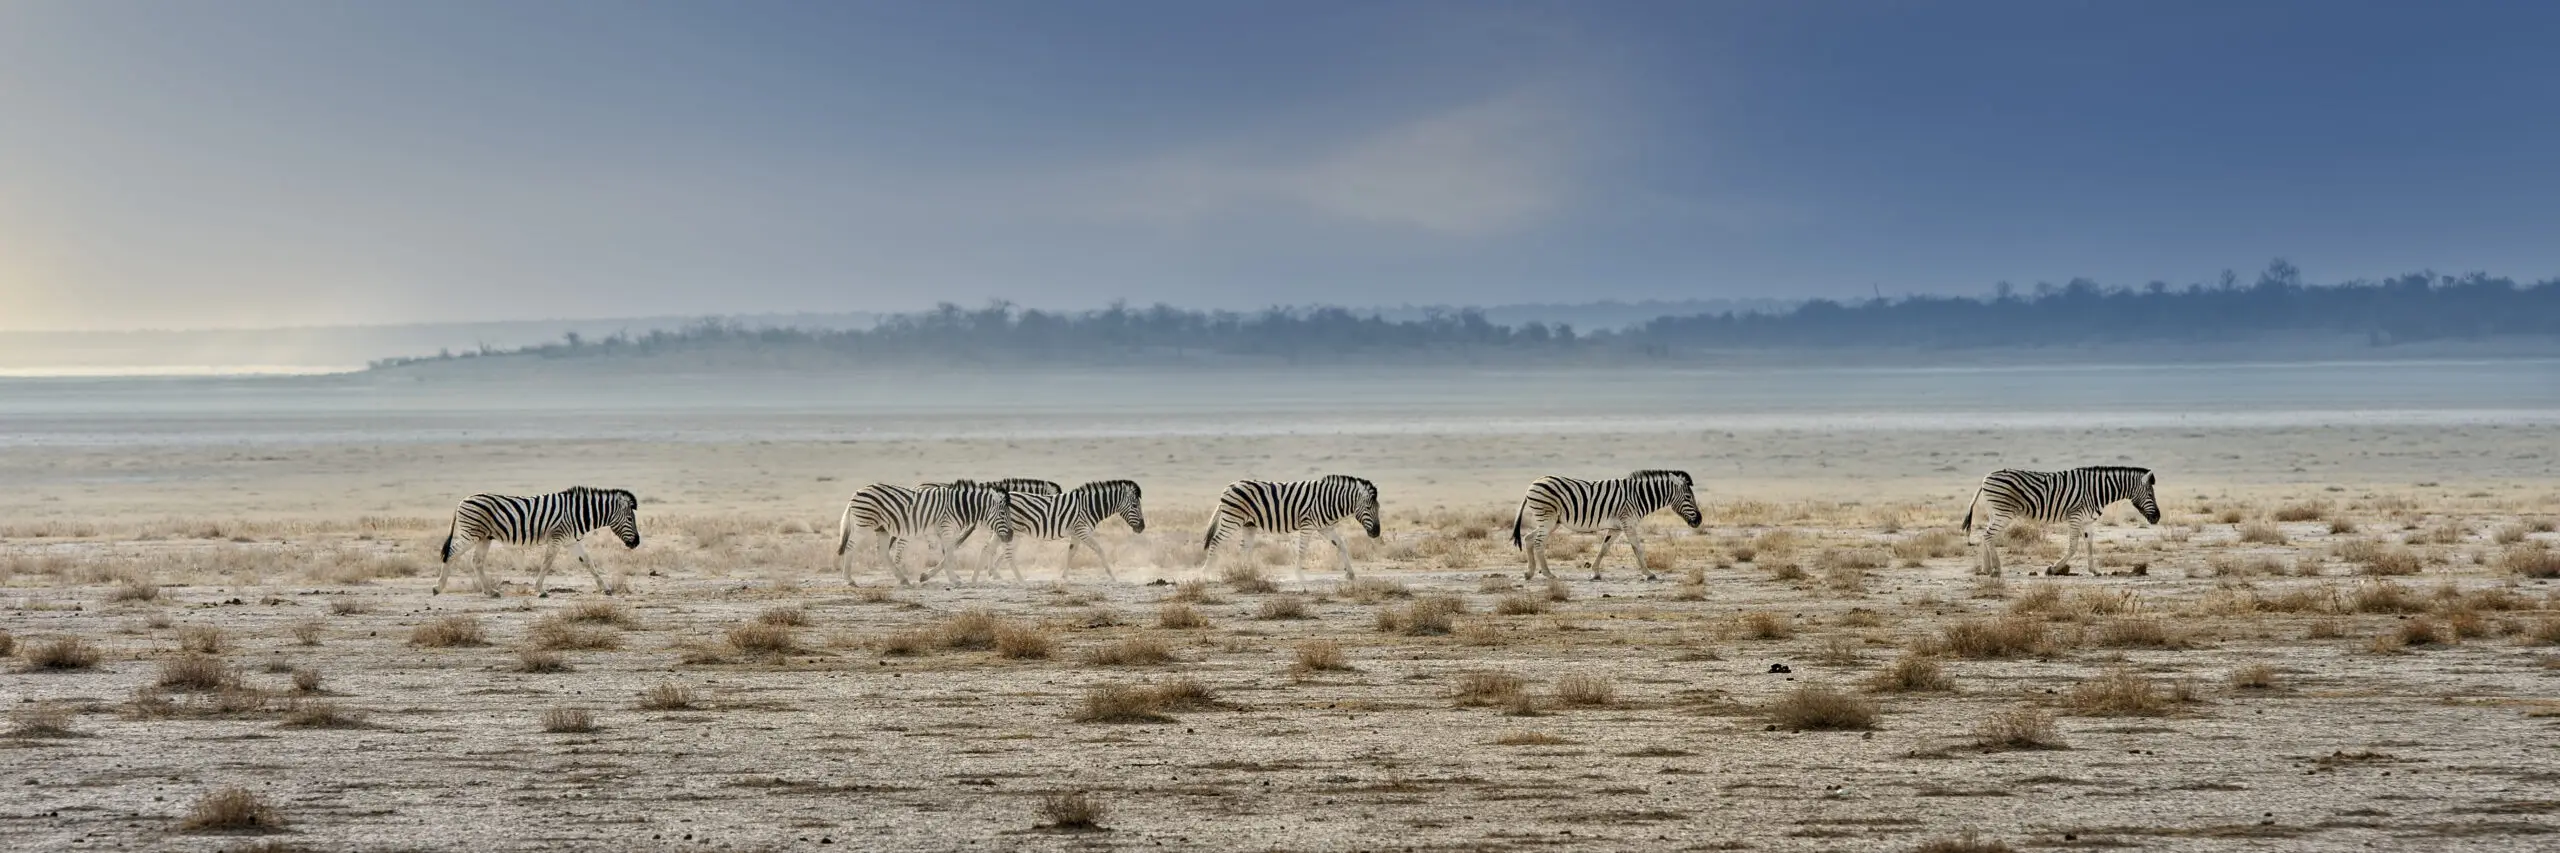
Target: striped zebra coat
<point>1612,507</point>
<point>1302,508</point>
<point>2075,497</point>
<point>546,520</point>
<point>898,514</point>
<point>1071,516</point>
<point>1015,485</point>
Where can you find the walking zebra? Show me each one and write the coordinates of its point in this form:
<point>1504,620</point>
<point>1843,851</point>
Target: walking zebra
<point>1072,517</point>
<point>899,513</point>
<point>1299,507</point>
<point>1016,485</point>
<point>2076,497</point>
<point>1611,506</point>
<point>545,520</point>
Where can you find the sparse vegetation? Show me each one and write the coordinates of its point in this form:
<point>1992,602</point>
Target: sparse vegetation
<point>1520,605</point>
<point>2122,693</point>
<point>1180,617</point>
<point>1967,843</point>
<point>62,654</point>
<point>1911,673</point>
<point>970,629</point>
<point>761,637</point>
<point>561,719</point>
<point>1427,616</point>
<point>2020,727</point>
<point>232,810</point>
<point>2532,560</point>
<point>667,696</point>
<point>540,660</point>
<point>1122,703</point>
<point>1489,687</point>
<point>2256,676</point>
<point>1764,625</point>
<point>1247,579</point>
<point>1991,639</point>
<point>41,720</point>
<point>202,639</point>
<point>2262,533</point>
<point>448,632</point>
<point>1074,811</point>
<point>1585,691</point>
<point>1133,651</point>
<point>1022,642</point>
<point>1819,707</point>
<point>791,617</point>
<point>1283,607</point>
<point>557,633</point>
<point>321,715</point>
<point>1315,656</point>
<point>307,630</point>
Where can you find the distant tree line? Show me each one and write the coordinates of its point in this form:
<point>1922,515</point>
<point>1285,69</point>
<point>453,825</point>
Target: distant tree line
<point>2409,308</point>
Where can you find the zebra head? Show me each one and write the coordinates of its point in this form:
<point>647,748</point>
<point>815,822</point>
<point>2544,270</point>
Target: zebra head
<point>1125,495</point>
<point>1679,490</point>
<point>1364,500</point>
<point>622,508</point>
<point>2146,498</point>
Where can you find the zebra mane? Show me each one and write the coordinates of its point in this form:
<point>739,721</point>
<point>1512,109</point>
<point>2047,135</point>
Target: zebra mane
<point>2114,469</point>
<point>1663,472</point>
<point>1105,484</point>
<point>1371,488</point>
<point>583,491</point>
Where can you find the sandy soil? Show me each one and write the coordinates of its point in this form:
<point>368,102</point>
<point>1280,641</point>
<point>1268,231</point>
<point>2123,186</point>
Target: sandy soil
<point>2382,570</point>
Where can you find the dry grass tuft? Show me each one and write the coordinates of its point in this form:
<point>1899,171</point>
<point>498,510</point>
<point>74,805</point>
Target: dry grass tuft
<point>909,643</point>
<point>785,616</point>
<point>760,637</point>
<point>1283,607</point>
<point>1520,605</point>
<point>2122,693</point>
<point>1558,591</point>
<point>41,720</point>
<point>1319,656</point>
<point>1197,592</point>
<point>1911,673</point>
<point>540,660</point>
<point>232,810</point>
<point>195,672</point>
<point>306,680</point>
<point>874,595</point>
<point>1248,580</point>
<point>1489,687</point>
<point>62,654</point>
<point>1586,691</point>
<point>2040,598</point>
<point>1839,651</point>
<point>1820,707</point>
<point>2533,560</point>
<point>2021,727</point>
<point>1180,617</point>
<point>2305,511</point>
<point>348,606</point>
<point>1374,590</point>
<point>1022,642</point>
<point>2379,558</point>
<point>321,715</point>
<point>1993,639</point>
<point>970,629</point>
<point>667,696</point>
<point>449,632</point>
<point>2144,633</point>
<point>599,612</point>
<point>2256,676</point>
<point>1073,811</point>
<point>307,630</point>
<point>2262,533</point>
<point>1134,651</point>
<point>201,639</point>
<point>561,719</point>
<point>1764,625</point>
<point>134,589</point>
<point>2385,597</point>
<point>1428,616</point>
<point>8,643</point>
<point>554,632</point>
<point>1121,703</point>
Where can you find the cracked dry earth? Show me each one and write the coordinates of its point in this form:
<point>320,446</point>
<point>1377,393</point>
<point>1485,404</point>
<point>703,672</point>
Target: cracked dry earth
<point>2405,712</point>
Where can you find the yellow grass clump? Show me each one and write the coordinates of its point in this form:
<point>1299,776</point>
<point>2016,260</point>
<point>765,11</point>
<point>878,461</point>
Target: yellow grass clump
<point>1819,707</point>
<point>232,810</point>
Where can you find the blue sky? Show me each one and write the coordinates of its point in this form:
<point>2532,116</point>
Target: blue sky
<point>270,163</point>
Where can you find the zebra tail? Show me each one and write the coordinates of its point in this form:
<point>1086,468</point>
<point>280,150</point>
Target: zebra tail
<point>1968,510</point>
<point>447,556</point>
<point>844,529</point>
<point>1211,540</point>
<point>1515,522</point>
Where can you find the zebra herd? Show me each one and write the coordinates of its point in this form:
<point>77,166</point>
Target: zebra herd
<point>947,513</point>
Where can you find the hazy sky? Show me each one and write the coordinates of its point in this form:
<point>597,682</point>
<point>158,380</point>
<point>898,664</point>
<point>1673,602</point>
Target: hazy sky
<point>252,163</point>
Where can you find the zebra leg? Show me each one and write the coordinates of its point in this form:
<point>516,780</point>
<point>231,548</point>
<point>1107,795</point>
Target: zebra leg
<point>1606,540</point>
<point>550,552</point>
<point>479,569</point>
<point>893,552</point>
<point>1335,534</point>
<point>580,548</point>
<point>2063,566</point>
<point>443,573</point>
<point>1989,563</point>
<point>1534,541</point>
<point>2089,534</point>
<point>1637,545</point>
<point>1298,555</point>
<point>1099,555</point>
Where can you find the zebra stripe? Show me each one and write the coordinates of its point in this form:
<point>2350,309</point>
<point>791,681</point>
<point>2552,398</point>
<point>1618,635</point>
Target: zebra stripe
<point>1613,507</point>
<point>1072,516</point>
<point>898,513</point>
<point>1016,485</point>
<point>2075,497</point>
<point>546,520</point>
<point>1301,508</point>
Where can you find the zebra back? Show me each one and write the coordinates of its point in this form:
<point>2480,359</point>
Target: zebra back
<point>1296,504</point>
<point>1593,503</point>
<point>1015,485</point>
<point>536,519</point>
<point>2066,495</point>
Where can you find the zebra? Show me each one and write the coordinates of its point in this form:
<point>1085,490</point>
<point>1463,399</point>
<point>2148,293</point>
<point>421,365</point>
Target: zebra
<point>1071,516</point>
<point>2076,497</point>
<point>1016,485</point>
<point>1301,507</point>
<point>899,513</point>
<point>546,520</point>
<point>1613,507</point>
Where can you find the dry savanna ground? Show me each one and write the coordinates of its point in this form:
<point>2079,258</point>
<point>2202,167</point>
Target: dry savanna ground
<point>2294,669</point>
